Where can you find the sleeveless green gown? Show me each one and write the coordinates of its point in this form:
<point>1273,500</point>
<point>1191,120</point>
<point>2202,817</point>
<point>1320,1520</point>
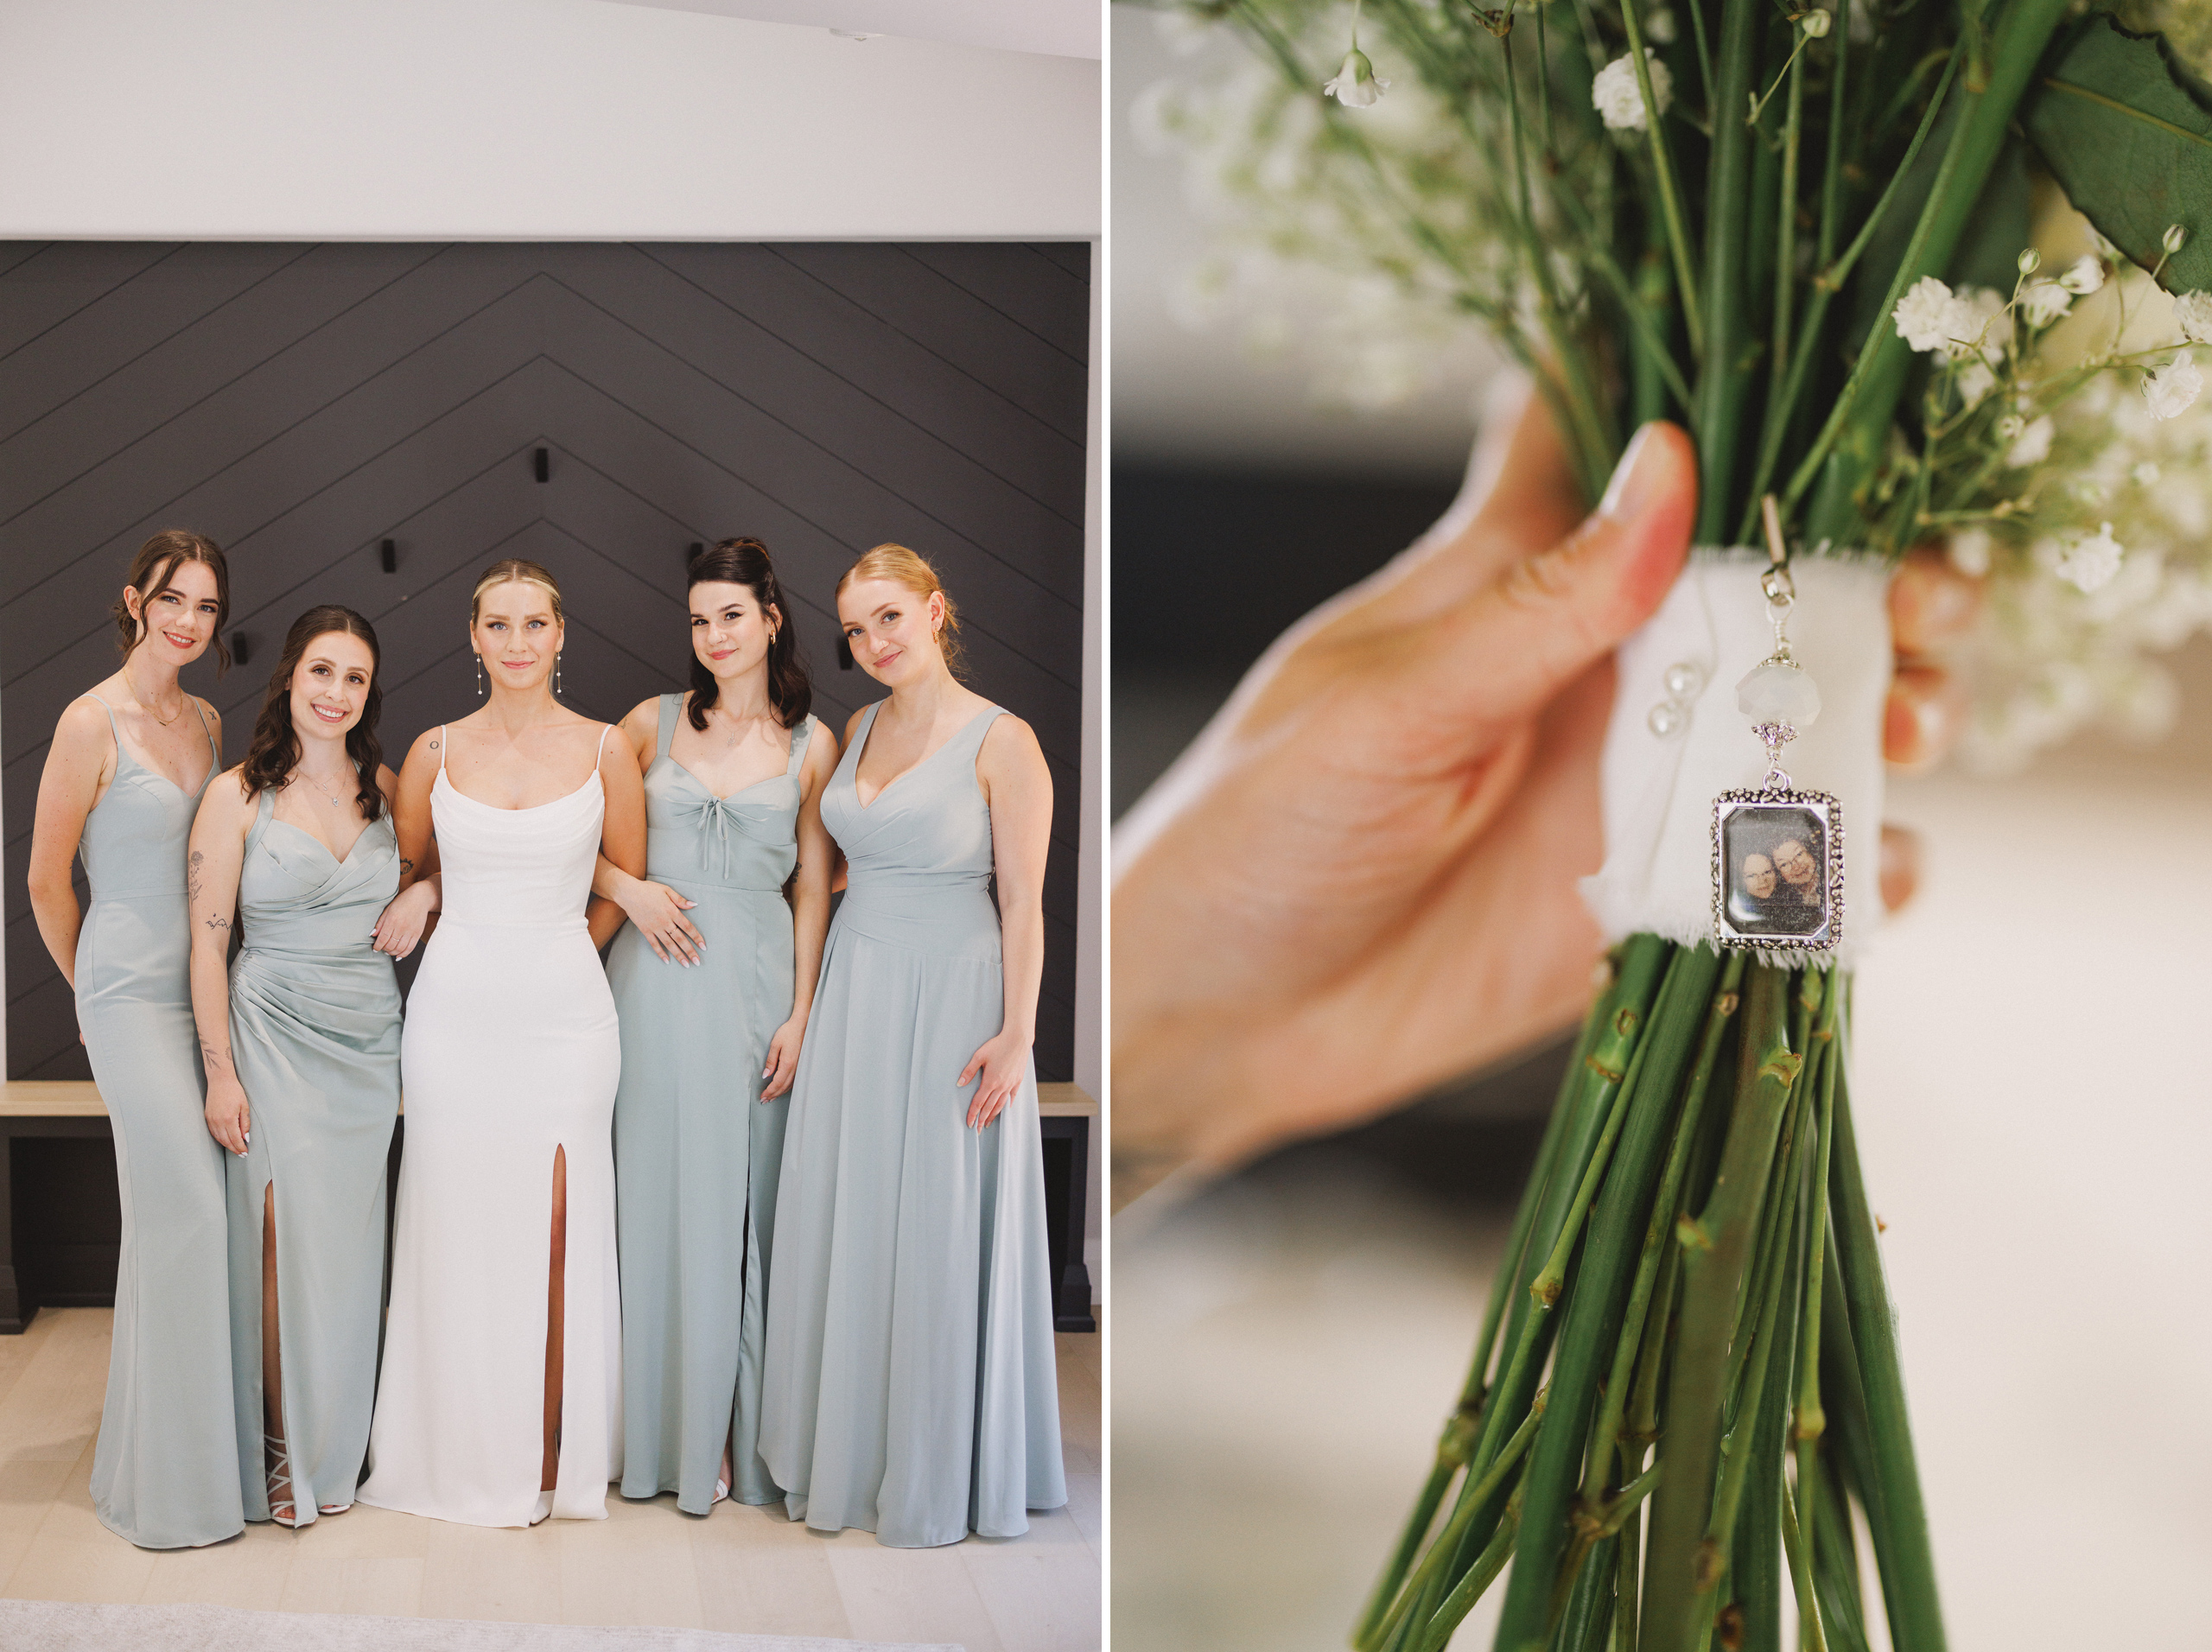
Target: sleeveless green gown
<point>696,1153</point>
<point>315,1033</point>
<point>165,1472</point>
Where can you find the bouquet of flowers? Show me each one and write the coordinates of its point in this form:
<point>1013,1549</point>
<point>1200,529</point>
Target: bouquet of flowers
<point>1811,234</point>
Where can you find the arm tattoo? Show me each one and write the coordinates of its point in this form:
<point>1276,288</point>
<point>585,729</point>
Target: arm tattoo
<point>192,877</point>
<point>406,866</point>
<point>209,1059</point>
<point>215,921</point>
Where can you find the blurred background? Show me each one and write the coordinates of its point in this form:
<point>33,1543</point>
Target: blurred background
<point>2032,1122</point>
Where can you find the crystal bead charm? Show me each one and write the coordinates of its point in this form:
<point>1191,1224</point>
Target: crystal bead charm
<point>1779,691</point>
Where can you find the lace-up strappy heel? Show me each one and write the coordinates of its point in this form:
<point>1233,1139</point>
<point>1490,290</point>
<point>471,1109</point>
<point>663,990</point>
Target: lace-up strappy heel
<point>280,1474</point>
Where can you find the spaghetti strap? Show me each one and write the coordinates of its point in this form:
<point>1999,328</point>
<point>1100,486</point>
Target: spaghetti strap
<point>442,743</point>
<point>264,813</point>
<point>605,729</point>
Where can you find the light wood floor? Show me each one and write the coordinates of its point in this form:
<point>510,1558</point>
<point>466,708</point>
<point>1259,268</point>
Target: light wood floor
<point>741,1570</point>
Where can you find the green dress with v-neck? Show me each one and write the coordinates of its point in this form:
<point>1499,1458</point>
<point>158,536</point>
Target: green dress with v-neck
<point>314,1035</point>
<point>165,1472</point>
<point>696,1151</point>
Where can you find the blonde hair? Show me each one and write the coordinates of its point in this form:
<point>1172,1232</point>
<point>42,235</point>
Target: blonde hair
<point>515,570</point>
<point>911,570</point>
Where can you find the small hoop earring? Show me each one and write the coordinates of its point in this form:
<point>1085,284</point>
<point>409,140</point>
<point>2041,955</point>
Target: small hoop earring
<point>556,674</point>
<point>478,658</point>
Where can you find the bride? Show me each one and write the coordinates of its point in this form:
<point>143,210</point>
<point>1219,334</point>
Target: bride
<point>499,1400</point>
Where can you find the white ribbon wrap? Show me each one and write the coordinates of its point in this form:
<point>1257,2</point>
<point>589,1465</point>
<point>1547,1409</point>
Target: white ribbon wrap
<point>1658,790</point>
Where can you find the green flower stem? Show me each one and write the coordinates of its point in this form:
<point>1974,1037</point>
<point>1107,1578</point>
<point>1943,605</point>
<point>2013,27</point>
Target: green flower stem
<point>1811,1422</point>
<point>1649,356</point>
<point>1434,1565</point>
<point>1658,1235</point>
<point>1785,248</point>
<point>1849,447</point>
<point>1592,1323</point>
<point>1832,166</point>
<point>1456,1443</point>
<point>1588,1619</point>
<point>1810,1636</point>
<point>1671,188</point>
<point>1724,365</point>
<point>1835,1573</point>
<point>1909,1568</point>
<point>1713,1271</point>
<point>1631,1567</point>
<point>1456,1605</point>
<point>1825,286</point>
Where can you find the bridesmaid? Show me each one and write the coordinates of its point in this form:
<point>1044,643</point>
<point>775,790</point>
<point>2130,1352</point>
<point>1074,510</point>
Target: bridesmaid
<point>122,777</point>
<point>734,773</point>
<point>910,1387</point>
<point>302,1044</point>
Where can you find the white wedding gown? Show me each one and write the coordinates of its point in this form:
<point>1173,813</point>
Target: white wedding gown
<point>511,1050</point>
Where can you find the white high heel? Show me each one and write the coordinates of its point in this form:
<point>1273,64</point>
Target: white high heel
<point>280,1473</point>
<point>545,1508</point>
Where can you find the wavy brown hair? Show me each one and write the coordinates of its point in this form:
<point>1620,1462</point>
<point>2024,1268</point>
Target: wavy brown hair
<point>745,561</point>
<point>152,570</point>
<point>274,752</point>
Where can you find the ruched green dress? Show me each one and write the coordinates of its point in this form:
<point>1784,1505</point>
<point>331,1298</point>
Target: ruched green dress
<point>314,1035</point>
<point>696,1151</point>
<point>165,1472</point>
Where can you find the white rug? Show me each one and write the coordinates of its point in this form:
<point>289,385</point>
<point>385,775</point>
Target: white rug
<point>70,1626</point>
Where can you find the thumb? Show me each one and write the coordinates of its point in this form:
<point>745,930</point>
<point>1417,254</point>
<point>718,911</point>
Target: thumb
<point>1545,620</point>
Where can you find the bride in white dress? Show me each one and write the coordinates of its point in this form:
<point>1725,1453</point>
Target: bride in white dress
<point>500,1397</point>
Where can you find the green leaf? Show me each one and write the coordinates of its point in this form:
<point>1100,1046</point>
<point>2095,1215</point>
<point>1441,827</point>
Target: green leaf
<point>2127,131</point>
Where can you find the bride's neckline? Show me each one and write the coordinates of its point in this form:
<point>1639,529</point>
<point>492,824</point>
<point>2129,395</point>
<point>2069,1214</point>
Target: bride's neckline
<point>501,809</point>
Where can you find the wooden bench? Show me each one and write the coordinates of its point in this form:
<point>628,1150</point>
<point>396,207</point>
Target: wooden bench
<point>80,1272</point>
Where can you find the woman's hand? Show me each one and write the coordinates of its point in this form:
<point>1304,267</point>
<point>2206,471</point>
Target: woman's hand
<point>1359,883</point>
<point>1004,1063</point>
<point>657,911</point>
<point>229,1117</point>
<point>400,925</point>
<point>782,1057</point>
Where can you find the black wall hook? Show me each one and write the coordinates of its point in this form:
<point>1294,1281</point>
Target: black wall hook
<point>241,649</point>
<point>542,460</point>
<point>844,653</point>
<point>692,552</point>
<point>390,553</point>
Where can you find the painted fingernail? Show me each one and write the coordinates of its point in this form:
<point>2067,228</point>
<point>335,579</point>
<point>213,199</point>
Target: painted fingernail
<point>1629,492</point>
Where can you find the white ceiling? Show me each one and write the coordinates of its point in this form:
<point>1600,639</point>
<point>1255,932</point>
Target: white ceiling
<point>1057,28</point>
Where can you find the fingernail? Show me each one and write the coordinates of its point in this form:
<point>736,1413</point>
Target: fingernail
<point>1629,490</point>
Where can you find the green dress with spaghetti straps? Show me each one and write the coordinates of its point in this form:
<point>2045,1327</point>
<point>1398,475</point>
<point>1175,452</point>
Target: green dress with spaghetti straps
<point>165,1472</point>
<point>696,1151</point>
<point>314,1033</point>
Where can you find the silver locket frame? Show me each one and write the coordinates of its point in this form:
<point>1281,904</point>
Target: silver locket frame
<point>1828,812</point>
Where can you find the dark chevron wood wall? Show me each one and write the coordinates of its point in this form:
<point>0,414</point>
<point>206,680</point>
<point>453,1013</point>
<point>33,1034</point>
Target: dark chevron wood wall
<point>304,402</point>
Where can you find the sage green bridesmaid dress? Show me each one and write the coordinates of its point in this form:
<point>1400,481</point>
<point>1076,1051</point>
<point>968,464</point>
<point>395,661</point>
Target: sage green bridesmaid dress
<point>315,1034</point>
<point>910,1387</point>
<point>165,1472</point>
<point>696,1151</point>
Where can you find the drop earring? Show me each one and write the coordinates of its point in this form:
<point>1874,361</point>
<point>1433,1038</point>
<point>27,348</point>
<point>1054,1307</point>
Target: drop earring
<point>556,674</point>
<point>478,658</point>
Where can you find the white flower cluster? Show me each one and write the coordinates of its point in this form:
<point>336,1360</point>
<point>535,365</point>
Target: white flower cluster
<point>1619,100</point>
<point>2117,567</point>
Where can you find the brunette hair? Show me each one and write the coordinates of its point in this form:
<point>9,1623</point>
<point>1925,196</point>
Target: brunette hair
<point>745,561</point>
<point>509,570</point>
<point>274,751</point>
<point>913,570</point>
<point>152,570</point>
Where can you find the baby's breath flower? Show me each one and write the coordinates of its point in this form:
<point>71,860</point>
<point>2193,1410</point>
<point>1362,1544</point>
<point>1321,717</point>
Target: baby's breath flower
<point>2145,473</point>
<point>1357,84</point>
<point>1976,382</point>
<point>2090,563</point>
<point>2193,311</point>
<point>2173,237</point>
<point>2028,262</point>
<point>1970,551</point>
<point>2044,301</point>
<point>2085,274</point>
<point>1660,25</point>
<point>1977,321</point>
<point>1816,24</point>
<point>1617,98</point>
<point>2032,445</point>
<point>1923,315</point>
<point>2171,388</point>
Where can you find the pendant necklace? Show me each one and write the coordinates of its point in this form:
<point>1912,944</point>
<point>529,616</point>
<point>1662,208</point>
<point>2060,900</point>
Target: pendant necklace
<point>1777,852</point>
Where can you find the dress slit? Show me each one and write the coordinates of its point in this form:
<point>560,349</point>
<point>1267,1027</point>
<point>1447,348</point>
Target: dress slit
<point>556,1294</point>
